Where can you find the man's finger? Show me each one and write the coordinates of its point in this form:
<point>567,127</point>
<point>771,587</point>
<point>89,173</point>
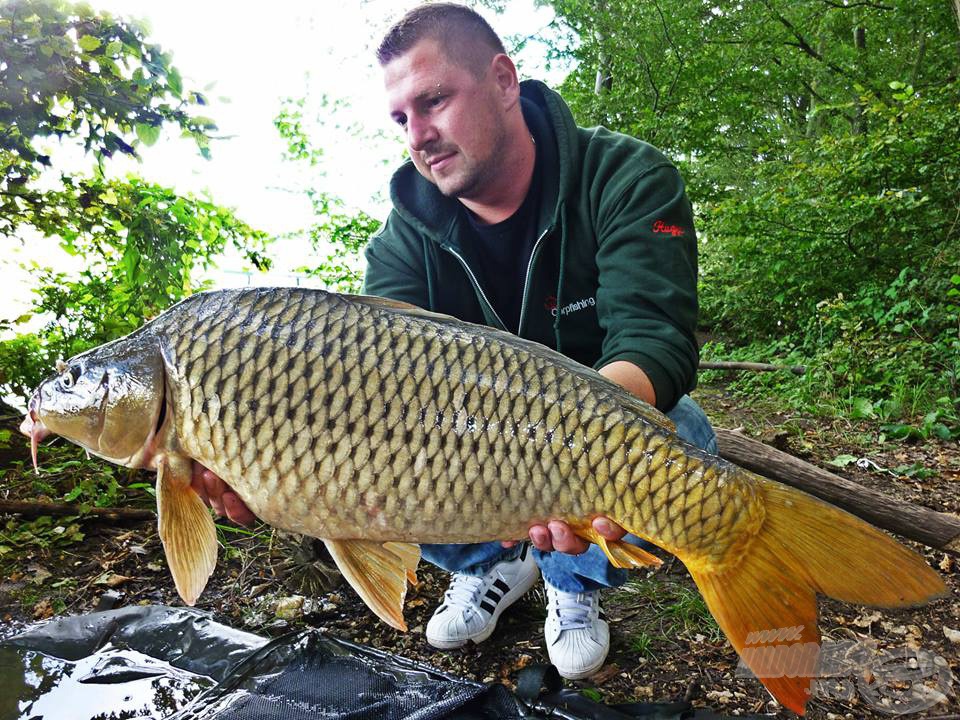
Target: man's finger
<point>236,509</point>
<point>564,540</point>
<point>215,489</point>
<point>197,483</point>
<point>540,537</point>
<point>609,530</point>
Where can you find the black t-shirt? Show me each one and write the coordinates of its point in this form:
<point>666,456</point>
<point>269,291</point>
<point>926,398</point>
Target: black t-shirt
<point>501,252</point>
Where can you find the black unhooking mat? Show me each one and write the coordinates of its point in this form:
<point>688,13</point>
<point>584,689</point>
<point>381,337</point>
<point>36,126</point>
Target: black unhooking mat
<point>178,664</point>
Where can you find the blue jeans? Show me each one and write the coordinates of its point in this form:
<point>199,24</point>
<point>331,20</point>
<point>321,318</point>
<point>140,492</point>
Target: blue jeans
<point>570,573</point>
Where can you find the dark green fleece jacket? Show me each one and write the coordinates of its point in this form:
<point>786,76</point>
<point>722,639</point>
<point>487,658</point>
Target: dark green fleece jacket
<point>613,274</point>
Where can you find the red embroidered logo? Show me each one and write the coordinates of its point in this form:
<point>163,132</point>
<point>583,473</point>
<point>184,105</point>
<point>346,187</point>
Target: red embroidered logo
<point>550,303</point>
<point>661,227</point>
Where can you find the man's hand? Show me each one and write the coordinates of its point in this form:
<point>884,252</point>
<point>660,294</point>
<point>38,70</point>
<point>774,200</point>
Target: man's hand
<point>557,535</point>
<point>218,495</point>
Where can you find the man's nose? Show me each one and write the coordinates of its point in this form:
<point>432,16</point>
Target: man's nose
<point>420,132</point>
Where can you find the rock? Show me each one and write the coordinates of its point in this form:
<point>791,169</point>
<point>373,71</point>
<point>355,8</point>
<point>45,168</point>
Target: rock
<point>40,574</point>
<point>721,696</point>
<point>289,608</point>
<point>951,635</point>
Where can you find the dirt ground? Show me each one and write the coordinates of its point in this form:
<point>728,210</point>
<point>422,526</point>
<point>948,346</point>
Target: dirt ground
<point>665,647</point>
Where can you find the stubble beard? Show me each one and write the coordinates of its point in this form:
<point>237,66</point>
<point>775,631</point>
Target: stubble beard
<point>474,177</point>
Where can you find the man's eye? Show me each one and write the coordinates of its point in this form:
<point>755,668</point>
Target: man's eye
<point>401,120</point>
<point>434,101</point>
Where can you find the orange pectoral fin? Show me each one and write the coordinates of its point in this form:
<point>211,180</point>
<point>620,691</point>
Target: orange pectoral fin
<point>379,573</point>
<point>187,531</point>
<point>620,554</point>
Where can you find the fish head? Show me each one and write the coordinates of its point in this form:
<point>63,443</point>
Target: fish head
<point>109,400</point>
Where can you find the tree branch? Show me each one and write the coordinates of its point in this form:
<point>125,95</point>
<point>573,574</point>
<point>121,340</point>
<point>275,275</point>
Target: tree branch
<point>863,3</point>
<point>805,47</point>
<point>676,51</point>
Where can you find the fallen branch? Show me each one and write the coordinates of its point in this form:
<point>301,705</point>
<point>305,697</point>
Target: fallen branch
<point>767,367</point>
<point>934,529</point>
<point>36,509</point>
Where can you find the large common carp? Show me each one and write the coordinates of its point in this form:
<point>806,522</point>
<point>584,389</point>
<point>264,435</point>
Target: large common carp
<point>375,425</point>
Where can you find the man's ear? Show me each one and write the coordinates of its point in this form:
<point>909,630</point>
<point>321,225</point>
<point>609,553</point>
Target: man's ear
<point>505,75</point>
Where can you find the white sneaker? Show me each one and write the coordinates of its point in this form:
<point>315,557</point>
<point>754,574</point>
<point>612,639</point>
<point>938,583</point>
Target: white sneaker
<point>472,604</point>
<point>577,634</point>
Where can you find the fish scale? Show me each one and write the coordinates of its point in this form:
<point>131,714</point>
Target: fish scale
<point>373,424</point>
<point>536,426</point>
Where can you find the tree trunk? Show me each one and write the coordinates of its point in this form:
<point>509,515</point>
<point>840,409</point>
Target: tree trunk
<point>860,43</point>
<point>934,529</point>
<point>725,365</point>
<point>37,509</point>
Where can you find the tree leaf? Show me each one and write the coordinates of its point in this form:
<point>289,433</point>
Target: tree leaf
<point>175,82</point>
<point>147,133</point>
<point>862,409</point>
<point>843,460</point>
<point>88,42</point>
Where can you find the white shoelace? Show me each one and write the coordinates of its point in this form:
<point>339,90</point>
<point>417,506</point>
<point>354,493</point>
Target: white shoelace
<point>573,609</point>
<point>464,590</point>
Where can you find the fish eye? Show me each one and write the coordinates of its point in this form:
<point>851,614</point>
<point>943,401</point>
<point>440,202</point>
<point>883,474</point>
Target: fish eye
<point>69,377</point>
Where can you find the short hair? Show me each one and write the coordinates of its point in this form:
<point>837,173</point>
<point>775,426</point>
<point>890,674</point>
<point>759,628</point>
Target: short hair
<point>466,38</point>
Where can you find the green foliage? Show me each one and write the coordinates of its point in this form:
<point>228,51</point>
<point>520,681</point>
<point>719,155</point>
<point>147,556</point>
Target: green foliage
<point>343,235</point>
<point>943,423</point>
<point>338,234</point>
<point>71,74</point>
<point>822,152</point>
<point>642,643</point>
<point>592,694</point>
<point>678,610</point>
<point>841,212</point>
<point>139,248</point>
<point>43,532</point>
<point>69,475</point>
<point>890,352</point>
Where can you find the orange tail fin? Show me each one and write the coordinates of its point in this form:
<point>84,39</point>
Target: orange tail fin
<point>765,600</point>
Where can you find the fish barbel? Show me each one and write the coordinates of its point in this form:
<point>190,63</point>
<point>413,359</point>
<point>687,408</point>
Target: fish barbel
<point>376,425</point>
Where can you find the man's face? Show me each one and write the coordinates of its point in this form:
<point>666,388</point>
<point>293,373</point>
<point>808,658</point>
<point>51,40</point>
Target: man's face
<point>454,122</point>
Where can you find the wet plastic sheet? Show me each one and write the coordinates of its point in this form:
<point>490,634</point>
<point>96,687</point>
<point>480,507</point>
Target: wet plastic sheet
<point>177,664</point>
<point>137,662</point>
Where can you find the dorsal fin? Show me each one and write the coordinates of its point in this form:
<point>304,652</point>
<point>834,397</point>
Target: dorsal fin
<point>407,308</point>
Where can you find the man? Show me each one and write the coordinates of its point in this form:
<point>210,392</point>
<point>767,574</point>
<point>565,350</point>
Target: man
<point>510,215</point>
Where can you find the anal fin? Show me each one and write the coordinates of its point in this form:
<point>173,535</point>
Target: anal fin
<point>187,530</point>
<point>378,572</point>
<point>620,554</point>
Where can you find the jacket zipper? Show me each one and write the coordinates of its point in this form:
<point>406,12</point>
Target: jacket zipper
<point>476,285</point>
<point>526,281</point>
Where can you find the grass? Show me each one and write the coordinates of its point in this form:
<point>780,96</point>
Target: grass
<point>667,610</point>
<point>642,643</point>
